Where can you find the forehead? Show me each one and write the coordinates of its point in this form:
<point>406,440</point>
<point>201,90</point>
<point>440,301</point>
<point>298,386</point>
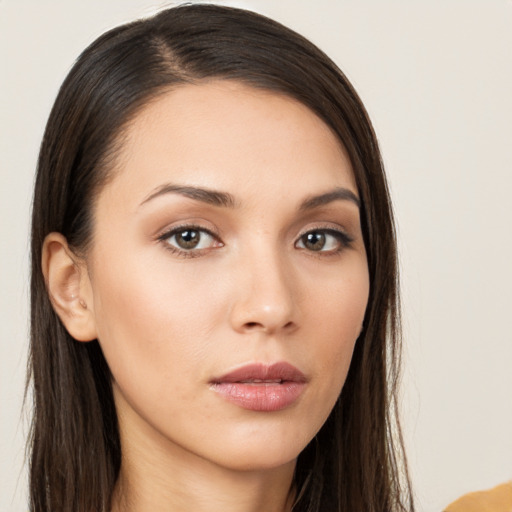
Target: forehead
<point>226,135</point>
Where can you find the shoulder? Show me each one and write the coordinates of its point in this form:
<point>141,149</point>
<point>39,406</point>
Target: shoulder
<point>498,499</point>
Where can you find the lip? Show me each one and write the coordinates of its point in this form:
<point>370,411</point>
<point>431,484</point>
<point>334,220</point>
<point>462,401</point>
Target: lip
<point>261,387</point>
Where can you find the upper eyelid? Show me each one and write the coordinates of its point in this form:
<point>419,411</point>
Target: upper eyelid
<point>169,231</point>
<point>337,233</point>
<point>326,227</point>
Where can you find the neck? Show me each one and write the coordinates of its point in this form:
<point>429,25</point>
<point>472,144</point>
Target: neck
<point>157,475</point>
<point>202,492</point>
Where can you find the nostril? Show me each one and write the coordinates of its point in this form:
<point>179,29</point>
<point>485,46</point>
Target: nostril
<point>252,326</point>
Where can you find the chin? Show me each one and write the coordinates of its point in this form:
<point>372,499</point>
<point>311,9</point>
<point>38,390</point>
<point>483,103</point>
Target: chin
<point>261,454</point>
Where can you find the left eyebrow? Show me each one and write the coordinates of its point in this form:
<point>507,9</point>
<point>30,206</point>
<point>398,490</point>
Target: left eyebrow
<point>338,194</point>
<point>204,195</point>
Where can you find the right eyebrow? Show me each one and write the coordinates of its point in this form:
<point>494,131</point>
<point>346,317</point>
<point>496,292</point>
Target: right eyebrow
<point>205,195</point>
<point>338,194</point>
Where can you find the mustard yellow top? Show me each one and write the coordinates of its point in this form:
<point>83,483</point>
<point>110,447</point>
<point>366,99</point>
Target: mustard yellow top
<point>498,499</point>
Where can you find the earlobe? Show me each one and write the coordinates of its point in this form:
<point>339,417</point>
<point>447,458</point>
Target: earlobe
<point>69,288</point>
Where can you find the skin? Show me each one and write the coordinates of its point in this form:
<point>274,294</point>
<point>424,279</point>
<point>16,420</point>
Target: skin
<point>170,319</point>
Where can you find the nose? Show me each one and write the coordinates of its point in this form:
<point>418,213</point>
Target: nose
<point>266,296</point>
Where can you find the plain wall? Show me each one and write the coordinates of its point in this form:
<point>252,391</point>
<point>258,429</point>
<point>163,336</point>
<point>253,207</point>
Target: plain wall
<point>436,77</point>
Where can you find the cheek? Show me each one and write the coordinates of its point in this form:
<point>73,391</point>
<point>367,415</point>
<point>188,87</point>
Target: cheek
<point>336,315</point>
<point>339,307</point>
<point>148,319</point>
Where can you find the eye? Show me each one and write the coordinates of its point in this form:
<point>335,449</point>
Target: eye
<point>187,239</point>
<point>324,240</point>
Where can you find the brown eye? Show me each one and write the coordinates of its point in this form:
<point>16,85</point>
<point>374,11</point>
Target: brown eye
<point>324,240</point>
<point>314,241</point>
<point>187,239</point>
<point>190,239</point>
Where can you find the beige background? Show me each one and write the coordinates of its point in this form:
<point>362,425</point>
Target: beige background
<point>436,77</point>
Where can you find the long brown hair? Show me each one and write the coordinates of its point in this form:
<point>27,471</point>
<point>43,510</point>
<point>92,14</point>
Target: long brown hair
<point>356,461</point>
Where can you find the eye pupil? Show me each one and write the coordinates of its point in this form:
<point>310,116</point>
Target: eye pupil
<point>314,241</point>
<point>188,238</point>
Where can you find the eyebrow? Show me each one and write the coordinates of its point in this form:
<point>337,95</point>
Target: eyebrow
<point>224,199</point>
<point>338,194</point>
<point>205,195</point>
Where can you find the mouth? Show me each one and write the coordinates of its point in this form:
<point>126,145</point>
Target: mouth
<point>260,387</point>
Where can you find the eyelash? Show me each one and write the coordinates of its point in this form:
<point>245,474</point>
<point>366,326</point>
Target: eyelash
<point>342,238</point>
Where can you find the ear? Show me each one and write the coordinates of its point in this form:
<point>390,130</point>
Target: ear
<point>69,287</point>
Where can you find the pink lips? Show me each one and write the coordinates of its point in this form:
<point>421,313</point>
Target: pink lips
<point>259,387</point>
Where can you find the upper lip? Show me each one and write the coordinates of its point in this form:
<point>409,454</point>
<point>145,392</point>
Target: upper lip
<point>260,372</point>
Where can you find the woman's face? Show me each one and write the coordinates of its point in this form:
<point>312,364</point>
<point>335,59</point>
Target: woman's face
<point>228,275</point>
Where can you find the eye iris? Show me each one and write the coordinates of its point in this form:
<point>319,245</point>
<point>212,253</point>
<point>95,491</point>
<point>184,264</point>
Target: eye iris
<point>187,239</point>
<point>314,241</point>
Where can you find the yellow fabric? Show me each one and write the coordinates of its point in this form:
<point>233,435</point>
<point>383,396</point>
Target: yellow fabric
<point>498,499</point>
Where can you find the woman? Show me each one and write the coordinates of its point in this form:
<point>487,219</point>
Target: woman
<point>214,281</point>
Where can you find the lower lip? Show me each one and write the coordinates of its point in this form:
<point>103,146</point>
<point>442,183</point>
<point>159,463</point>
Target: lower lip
<point>264,397</point>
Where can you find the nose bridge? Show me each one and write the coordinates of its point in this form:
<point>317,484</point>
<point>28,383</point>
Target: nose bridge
<point>265,298</point>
